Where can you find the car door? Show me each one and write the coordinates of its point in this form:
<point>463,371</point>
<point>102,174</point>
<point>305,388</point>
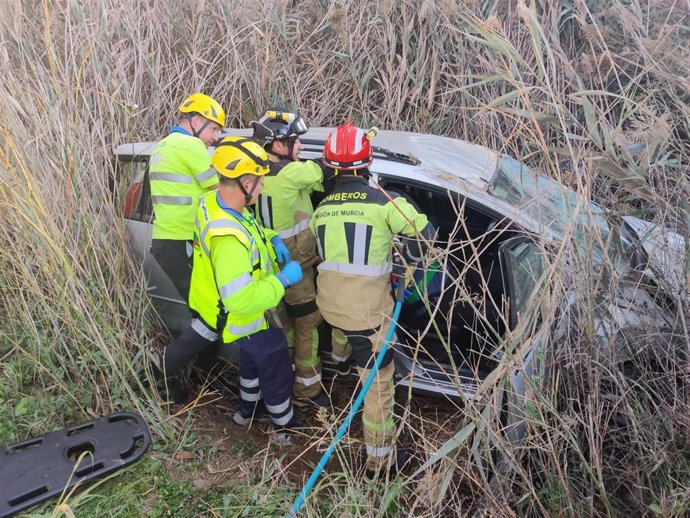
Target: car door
<point>523,268</point>
<point>132,171</point>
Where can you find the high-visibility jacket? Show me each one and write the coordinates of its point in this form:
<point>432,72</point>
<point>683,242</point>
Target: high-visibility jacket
<point>354,228</point>
<point>180,173</point>
<point>284,203</point>
<point>233,277</point>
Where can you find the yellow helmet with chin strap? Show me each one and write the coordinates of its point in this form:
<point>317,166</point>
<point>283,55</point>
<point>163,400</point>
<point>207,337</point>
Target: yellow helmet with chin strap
<point>237,156</point>
<point>205,106</point>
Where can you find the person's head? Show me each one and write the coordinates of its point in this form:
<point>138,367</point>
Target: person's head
<point>348,150</point>
<point>241,164</point>
<point>278,131</point>
<point>203,116</point>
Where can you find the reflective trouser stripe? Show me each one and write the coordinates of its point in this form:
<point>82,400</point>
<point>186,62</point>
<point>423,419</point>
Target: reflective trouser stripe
<point>386,426</point>
<point>246,383</point>
<point>239,330</point>
<point>310,347</point>
<point>172,200</point>
<point>279,408</point>
<point>247,396</point>
<point>203,331</point>
<point>308,381</point>
<point>340,348</point>
<point>283,420</point>
<point>209,173</point>
<point>379,451</point>
<point>249,389</point>
<point>291,232</point>
<point>278,412</point>
<point>171,177</point>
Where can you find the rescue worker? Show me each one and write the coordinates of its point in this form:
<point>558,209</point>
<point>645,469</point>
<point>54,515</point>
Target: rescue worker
<point>285,206</point>
<point>180,173</point>
<point>235,279</point>
<point>354,228</point>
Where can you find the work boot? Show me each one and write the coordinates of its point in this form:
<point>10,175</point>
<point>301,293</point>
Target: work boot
<point>171,389</point>
<point>402,457</point>
<point>260,414</point>
<point>320,400</point>
<point>291,426</point>
<point>285,434</point>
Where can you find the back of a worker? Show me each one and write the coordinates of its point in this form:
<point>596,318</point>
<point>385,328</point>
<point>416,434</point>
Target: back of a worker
<point>354,228</point>
<point>285,206</point>
<point>180,173</point>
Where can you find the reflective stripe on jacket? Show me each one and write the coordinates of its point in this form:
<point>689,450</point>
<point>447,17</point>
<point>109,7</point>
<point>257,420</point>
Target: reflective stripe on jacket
<point>180,172</point>
<point>233,277</point>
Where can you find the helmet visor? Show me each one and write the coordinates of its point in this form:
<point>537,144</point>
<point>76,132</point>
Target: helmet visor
<point>298,127</point>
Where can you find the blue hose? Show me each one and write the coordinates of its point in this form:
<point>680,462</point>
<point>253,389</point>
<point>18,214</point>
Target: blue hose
<point>358,402</point>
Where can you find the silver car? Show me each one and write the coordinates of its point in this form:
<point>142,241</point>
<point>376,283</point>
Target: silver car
<point>497,222</point>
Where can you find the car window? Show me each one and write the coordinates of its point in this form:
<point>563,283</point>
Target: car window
<point>562,210</point>
<point>523,267</point>
<point>136,203</point>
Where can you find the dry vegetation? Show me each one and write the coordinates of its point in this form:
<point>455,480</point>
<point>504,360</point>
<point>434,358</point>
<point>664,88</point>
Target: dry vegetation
<point>594,93</point>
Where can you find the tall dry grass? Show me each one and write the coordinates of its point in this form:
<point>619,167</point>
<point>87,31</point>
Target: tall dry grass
<point>595,94</point>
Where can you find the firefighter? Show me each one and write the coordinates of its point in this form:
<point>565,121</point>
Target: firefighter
<point>284,205</point>
<point>180,173</point>
<point>235,280</point>
<point>354,227</point>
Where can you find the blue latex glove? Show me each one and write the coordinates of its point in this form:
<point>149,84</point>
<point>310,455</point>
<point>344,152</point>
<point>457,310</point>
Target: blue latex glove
<point>291,274</point>
<point>282,252</point>
<point>406,293</point>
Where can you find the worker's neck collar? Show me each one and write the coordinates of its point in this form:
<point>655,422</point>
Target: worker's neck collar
<point>350,178</point>
<point>180,129</point>
<point>278,159</point>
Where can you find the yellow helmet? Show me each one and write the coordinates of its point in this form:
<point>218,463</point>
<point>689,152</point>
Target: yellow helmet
<point>237,156</point>
<point>205,106</point>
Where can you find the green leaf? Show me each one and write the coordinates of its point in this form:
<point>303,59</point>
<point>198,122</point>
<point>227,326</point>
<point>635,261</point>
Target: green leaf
<point>24,406</point>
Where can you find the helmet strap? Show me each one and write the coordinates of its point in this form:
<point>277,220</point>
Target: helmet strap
<point>203,127</point>
<point>248,194</point>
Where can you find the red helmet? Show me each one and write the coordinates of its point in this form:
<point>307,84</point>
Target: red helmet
<point>348,148</point>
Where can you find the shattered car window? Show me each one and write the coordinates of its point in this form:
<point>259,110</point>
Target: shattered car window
<point>561,210</point>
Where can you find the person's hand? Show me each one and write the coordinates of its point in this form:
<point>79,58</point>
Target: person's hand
<point>406,292</point>
<point>291,274</point>
<point>282,252</point>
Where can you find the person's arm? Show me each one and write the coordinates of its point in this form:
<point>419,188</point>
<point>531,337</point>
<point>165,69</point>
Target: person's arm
<point>404,219</point>
<point>240,292</point>
<point>302,175</point>
<point>199,163</point>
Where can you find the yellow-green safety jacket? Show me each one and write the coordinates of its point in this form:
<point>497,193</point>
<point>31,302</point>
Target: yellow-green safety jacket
<point>233,277</point>
<point>354,228</point>
<point>180,172</point>
<point>284,203</point>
